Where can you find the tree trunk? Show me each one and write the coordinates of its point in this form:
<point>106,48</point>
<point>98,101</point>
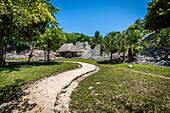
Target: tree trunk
<point>5,48</point>
<point>1,52</point>
<point>48,56</point>
<point>45,55</point>
<point>130,55</point>
<point>48,52</point>
<point>123,57</point>
<point>111,57</point>
<point>31,54</point>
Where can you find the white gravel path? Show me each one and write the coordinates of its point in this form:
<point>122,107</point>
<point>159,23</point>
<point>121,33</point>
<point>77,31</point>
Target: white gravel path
<point>42,94</point>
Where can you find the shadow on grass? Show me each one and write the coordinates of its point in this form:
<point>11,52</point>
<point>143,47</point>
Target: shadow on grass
<point>6,91</point>
<point>109,62</point>
<point>15,99</point>
<point>17,65</point>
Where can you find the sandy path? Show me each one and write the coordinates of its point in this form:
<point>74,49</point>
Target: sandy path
<point>41,96</point>
<point>63,99</point>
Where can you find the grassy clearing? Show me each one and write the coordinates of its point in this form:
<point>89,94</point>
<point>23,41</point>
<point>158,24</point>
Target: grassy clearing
<point>77,60</point>
<point>158,70</point>
<point>116,89</point>
<point>12,78</point>
<point>24,59</point>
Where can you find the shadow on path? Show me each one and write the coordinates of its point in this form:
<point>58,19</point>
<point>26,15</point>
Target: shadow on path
<point>15,101</point>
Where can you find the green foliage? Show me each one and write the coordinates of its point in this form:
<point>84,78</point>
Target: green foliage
<point>23,19</point>
<point>110,43</point>
<point>165,40</point>
<point>161,39</point>
<point>80,37</point>
<point>158,15</point>
<point>133,36</point>
<point>133,41</point>
<point>20,14</point>
<point>72,37</point>
<point>97,38</point>
<point>52,39</point>
<point>27,12</point>
<point>75,37</point>
<point>130,40</point>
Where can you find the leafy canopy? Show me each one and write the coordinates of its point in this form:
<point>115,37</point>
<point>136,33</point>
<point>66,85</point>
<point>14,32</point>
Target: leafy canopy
<point>158,15</point>
<point>27,12</point>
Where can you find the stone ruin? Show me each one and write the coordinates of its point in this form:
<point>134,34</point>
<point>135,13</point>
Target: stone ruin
<point>142,59</point>
<point>153,56</point>
<point>89,53</point>
<point>25,54</point>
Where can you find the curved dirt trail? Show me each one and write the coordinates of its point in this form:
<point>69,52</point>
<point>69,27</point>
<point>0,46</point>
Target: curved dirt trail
<point>40,97</point>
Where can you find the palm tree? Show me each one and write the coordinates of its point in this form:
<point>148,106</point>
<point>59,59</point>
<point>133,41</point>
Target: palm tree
<point>123,45</point>
<point>134,40</point>
<point>110,43</point>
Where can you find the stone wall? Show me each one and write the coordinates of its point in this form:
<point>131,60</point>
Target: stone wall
<point>25,54</point>
<point>142,59</point>
<point>89,53</point>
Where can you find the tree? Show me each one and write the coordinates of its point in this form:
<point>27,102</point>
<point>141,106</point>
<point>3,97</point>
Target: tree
<point>110,43</point>
<point>51,40</point>
<point>123,44</point>
<point>17,15</point>
<point>75,37</point>
<point>158,15</point>
<point>134,34</point>
<point>133,41</point>
<point>72,37</point>
<point>97,38</point>
<point>129,41</point>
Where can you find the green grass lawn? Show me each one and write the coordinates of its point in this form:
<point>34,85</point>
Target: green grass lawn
<point>12,78</point>
<point>158,70</point>
<point>115,88</point>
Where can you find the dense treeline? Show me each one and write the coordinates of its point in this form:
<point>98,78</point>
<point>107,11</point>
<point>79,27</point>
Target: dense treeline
<point>92,40</point>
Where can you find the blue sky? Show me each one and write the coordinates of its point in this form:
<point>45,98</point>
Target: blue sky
<point>87,16</point>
